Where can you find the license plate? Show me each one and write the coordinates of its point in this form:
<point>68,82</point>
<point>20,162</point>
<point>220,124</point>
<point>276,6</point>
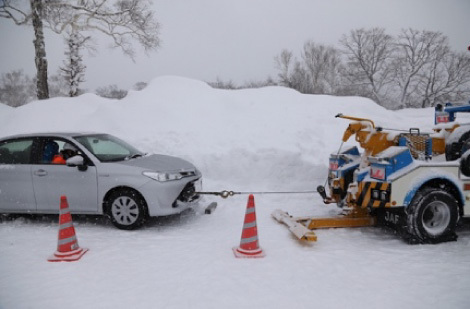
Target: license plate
<point>377,173</point>
<point>334,165</point>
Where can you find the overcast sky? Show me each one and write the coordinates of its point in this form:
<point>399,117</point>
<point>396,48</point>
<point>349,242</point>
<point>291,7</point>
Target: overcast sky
<point>238,39</point>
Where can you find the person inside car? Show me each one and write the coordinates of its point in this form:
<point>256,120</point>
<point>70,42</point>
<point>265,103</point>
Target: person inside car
<point>67,151</point>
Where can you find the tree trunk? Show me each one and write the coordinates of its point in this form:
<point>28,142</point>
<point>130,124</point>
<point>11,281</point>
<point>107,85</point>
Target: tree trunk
<point>40,49</point>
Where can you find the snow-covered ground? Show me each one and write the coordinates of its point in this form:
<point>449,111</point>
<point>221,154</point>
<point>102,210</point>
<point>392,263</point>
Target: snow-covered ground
<point>269,139</point>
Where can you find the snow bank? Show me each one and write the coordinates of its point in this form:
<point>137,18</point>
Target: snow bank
<point>5,110</point>
<point>269,132</point>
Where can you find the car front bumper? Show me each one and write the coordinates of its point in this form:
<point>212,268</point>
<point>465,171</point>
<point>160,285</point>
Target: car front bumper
<point>171,197</point>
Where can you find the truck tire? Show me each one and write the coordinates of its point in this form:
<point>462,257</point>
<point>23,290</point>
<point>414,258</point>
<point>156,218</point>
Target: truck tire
<point>432,216</point>
<point>456,149</point>
<point>465,163</point>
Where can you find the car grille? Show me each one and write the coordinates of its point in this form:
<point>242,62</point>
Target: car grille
<point>187,195</point>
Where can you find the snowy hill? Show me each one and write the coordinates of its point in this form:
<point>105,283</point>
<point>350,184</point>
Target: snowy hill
<point>4,111</point>
<point>271,138</point>
<point>261,128</point>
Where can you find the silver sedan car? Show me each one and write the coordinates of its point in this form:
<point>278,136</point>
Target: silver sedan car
<point>98,173</point>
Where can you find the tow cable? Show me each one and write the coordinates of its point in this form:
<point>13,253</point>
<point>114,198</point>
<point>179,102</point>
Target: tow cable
<point>225,193</point>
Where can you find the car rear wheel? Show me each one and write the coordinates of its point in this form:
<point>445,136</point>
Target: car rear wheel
<point>432,216</point>
<point>126,209</point>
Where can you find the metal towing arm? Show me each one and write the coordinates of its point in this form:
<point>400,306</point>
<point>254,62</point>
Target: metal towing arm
<point>373,141</point>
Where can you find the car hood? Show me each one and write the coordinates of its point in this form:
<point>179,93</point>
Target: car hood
<point>160,163</point>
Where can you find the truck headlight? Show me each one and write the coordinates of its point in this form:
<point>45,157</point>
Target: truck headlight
<point>375,194</point>
<point>162,177</point>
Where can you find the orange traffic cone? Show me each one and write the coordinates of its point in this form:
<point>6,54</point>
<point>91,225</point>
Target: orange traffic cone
<point>249,244</point>
<point>67,247</point>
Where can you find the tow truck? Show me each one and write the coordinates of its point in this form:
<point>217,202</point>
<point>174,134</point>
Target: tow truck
<point>399,180</point>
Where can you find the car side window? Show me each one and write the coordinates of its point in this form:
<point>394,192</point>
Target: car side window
<point>16,151</point>
<point>56,151</point>
<point>50,150</point>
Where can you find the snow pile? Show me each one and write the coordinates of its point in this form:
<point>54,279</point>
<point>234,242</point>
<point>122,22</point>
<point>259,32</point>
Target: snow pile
<point>249,140</point>
<point>269,133</point>
<point>5,110</point>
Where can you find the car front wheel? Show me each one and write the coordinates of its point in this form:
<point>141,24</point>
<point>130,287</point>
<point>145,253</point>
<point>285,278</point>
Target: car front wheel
<point>126,209</point>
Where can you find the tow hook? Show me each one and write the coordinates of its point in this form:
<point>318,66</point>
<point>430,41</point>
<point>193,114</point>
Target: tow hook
<point>326,199</point>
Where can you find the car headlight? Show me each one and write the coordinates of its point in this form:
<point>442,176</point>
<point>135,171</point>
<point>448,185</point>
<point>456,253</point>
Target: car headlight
<point>162,177</point>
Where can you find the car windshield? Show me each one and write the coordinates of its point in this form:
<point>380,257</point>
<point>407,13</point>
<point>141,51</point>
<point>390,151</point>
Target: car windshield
<point>108,148</point>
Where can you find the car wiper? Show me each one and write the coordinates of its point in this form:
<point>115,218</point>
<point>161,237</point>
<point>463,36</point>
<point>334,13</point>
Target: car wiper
<point>136,155</point>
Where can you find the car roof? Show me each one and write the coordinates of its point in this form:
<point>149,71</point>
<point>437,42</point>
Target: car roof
<point>46,134</point>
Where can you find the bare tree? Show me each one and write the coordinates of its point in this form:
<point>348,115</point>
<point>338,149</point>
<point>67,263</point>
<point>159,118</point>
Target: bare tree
<point>58,86</point>
<point>318,71</point>
<point>124,21</point>
<point>139,86</point>
<point>16,88</point>
<point>283,63</point>
<point>323,64</point>
<point>111,92</point>
<point>300,78</point>
<point>415,69</point>
<point>417,52</point>
<point>221,84</point>
<point>446,80</point>
<point>259,83</point>
<point>368,56</point>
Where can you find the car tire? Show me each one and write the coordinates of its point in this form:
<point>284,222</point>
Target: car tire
<point>126,209</point>
<point>456,150</point>
<point>432,216</point>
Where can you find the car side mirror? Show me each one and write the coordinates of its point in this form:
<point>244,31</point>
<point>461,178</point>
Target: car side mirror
<point>465,164</point>
<point>77,161</point>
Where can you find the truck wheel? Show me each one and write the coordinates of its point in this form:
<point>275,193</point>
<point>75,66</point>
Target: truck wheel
<point>432,216</point>
<point>126,209</point>
<point>456,149</point>
<point>465,163</point>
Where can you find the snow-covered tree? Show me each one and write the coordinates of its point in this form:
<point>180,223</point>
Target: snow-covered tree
<point>369,53</point>
<point>447,80</point>
<point>284,63</point>
<point>414,69</point>
<point>323,64</point>
<point>139,86</point>
<point>73,70</point>
<point>318,71</point>
<point>124,21</point>
<point>416,52</point>
<point>16,88</point>
<point>111,92</point>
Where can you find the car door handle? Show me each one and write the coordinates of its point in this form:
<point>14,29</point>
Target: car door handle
<point>40,173</point>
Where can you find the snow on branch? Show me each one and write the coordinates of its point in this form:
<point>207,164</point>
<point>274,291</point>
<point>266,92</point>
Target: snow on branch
<point>19,15</point>
<point>123,21</point>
